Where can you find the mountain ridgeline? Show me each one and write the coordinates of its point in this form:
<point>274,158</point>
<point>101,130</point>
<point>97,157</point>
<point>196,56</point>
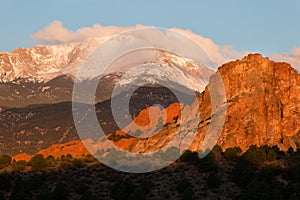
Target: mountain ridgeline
<point>263,108</point>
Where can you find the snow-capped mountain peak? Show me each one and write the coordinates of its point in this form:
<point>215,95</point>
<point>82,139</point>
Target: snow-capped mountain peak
<point>44,63</point>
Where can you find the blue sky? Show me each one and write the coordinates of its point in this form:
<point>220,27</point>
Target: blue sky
<point>258,26</point>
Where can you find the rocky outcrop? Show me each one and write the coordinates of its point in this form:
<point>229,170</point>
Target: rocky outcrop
<point>263,104</point>
<point>263,107</point>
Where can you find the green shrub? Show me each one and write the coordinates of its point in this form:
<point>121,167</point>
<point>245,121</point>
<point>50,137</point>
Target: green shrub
<point>280,154</point>
<point>190,157</point>
<point>69,156</point>
<point>89,158</point>
<point>79,163</point>
<point>159,154</point>
<point>5,161</point>
<point>207,164</point>
<point>217,152</point>
<point>50,158</point>
<point>116,137</point>
<point>171,154</point>
<point>271,155</point>
<point>19,165</point>
<point>232,153</point>
<point>38,162</point>
<point>63,158</point>
<point>65,164</point>
<point>255,155</point>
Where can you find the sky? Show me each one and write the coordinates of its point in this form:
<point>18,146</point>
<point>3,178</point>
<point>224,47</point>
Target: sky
<point>268,27</point>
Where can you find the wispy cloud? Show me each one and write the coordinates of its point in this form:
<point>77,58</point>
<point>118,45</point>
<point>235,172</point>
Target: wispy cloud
<point>219,54</point>
<point>56,33</point>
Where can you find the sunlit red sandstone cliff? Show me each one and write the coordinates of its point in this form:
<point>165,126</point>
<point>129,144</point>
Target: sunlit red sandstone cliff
<point>263,103</point>
<point>263,107</point>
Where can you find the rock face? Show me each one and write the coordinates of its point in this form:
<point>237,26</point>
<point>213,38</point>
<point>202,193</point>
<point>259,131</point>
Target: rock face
<point>263,104</point>
<point>263,107</point>
<point>35,127</point>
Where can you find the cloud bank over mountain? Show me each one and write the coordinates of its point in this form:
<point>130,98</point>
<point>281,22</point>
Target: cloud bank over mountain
<point>56,33</point>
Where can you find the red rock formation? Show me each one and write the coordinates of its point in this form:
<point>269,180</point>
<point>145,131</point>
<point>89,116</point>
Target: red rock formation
<point>263,103</point>
<point>75,148</point>
<point>263,108</point>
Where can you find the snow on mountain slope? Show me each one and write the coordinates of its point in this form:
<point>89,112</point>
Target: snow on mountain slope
<point>169,68</point>
<point>44,63</point>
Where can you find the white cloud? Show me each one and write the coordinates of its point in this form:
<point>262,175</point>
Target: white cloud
<point>219,54</point>
<point>292,58</point>
<point>56,33</point>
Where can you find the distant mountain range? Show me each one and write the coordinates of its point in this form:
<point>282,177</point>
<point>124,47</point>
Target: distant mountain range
<point>46,74</point>
<point>263,108</point>
<point>263,101</point>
